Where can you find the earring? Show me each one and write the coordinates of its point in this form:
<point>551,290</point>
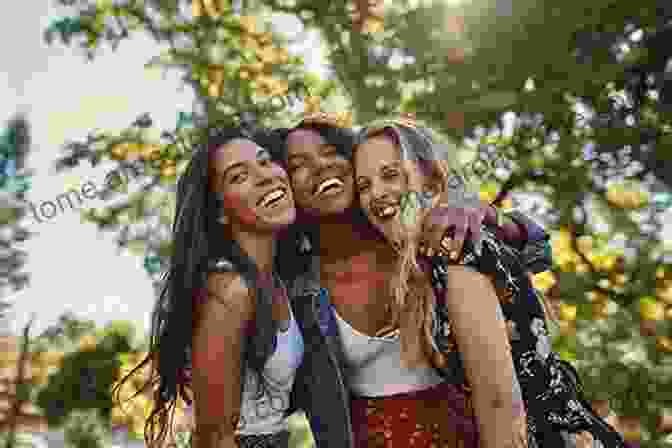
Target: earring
<point>305,246</point>
<point>223,220</point>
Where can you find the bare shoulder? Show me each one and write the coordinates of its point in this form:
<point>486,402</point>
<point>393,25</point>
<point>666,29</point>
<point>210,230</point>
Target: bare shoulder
<point>228,290</point>
<point>466,275</point>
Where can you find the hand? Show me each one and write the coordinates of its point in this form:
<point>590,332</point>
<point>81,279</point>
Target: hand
<point>446,226</point>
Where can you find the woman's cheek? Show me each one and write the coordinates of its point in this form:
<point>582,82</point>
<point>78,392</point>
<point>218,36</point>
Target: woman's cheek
<point>278,171</point>
<point>246,214</point>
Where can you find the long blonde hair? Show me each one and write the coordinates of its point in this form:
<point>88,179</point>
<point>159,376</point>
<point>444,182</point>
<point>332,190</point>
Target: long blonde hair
<point>429,163</point>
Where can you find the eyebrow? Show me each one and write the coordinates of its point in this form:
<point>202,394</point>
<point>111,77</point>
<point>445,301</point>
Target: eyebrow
<point>260,153</point>
<point>395,164</point>
<point>303,154</point>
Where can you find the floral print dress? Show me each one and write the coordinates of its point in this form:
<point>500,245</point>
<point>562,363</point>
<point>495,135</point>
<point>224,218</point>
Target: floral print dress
<point>557,413</point>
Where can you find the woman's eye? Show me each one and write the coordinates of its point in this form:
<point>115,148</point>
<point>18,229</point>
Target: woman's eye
<point>391,174</point>
<point>238,178</point>
<point>362,187</point>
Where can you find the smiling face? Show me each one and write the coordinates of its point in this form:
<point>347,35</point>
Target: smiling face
<point>381,182</point>
<point>255,190</point>
<point>322,179</point>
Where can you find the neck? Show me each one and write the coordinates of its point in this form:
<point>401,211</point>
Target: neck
<point>337,234</point>
<point>260,247</point>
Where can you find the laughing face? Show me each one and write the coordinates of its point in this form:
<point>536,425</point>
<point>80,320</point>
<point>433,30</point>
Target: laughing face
<point>322,179</point>
<point>255,190</point>
<point>380,183</point>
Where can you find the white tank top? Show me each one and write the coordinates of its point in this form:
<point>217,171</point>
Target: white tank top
<point>374,365</point>
<point>265,414</point>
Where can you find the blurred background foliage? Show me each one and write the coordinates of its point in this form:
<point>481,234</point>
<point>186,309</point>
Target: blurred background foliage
<point>569,108</point>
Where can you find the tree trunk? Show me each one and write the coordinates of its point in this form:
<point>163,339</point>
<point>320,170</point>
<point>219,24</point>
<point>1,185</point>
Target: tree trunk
<point>20,378</point>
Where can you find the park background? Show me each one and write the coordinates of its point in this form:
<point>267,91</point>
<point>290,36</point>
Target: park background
<point>579,97</point>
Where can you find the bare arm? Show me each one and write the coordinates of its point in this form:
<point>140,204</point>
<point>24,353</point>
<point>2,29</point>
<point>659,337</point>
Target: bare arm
<point>216,358</point>
<point>482,337</point>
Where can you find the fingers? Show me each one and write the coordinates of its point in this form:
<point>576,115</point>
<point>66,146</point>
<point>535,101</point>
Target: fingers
<point>435,230</point>
<point>436,236</point>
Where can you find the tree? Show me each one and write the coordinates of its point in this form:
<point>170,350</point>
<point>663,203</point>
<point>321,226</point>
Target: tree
<point>89,367</point>
<point>22,386</point>
<point>568,107</point>
<point>14,183</point>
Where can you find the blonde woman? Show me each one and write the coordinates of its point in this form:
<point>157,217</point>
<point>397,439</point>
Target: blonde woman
<point>448,313</point>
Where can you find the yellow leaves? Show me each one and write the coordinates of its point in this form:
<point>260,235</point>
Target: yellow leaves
<point>212,8</point>
<point>488,192</point>
<point>603,262</point>
<point>216,76</point>
<point>373,25</point>
<point>628,195</point>
<point>271,55</point>
<point>664,293</point>
<point>567,312</point>
<point>367,16</point>
<point>563,253</point>
<point>87,342</point>
<point>600,310</point>
<point>135,151</point>
<point>168,168</point>
<point>664,344</point>
<point>270,86</point>
<point>249,24</point>
<point>650,309</point>
<point>544,281</point>
<point>312,104</point>
<point>119,152</point>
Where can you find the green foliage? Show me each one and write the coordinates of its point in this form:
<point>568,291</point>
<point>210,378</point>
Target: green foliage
<point>87,373</point>
<point>85,430</point>
<point>15,144</point>
<point>575,101</point>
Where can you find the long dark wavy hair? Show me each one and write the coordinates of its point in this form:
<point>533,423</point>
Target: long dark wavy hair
<point>199,240</point>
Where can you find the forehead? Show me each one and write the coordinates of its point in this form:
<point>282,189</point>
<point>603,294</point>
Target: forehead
<point>377,150</point>
<point>304,140</point>
<point>235,151</point>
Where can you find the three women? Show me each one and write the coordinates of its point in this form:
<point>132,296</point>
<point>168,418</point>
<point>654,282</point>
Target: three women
<point>234,203</point>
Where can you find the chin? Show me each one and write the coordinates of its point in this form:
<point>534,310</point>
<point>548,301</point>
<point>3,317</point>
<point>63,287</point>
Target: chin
<point>283,221</point>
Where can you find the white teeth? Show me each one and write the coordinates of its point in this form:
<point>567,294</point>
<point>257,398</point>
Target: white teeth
<point>328,183</point>
<point>272,196</point>
<point>386,211</point>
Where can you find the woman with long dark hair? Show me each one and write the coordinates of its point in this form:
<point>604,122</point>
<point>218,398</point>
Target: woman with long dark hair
<point>223,331</point>
<point>445,310</point>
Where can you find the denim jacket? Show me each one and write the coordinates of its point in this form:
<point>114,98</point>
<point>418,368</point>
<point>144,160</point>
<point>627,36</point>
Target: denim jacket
<point>319,386</point>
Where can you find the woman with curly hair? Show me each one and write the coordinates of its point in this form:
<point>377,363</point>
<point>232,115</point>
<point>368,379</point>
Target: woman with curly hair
<point>446,315</point>
<point>223,331</point>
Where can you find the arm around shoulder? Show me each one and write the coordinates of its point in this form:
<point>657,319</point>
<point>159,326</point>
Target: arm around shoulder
<point>217,343</point>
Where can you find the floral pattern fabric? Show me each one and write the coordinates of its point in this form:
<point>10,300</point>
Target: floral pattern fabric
<point>557,413</point>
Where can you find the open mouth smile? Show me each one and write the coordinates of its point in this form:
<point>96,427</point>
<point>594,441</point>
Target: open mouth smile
<point>329,186</point>
<point>385,211</point>
<point>273,197</point>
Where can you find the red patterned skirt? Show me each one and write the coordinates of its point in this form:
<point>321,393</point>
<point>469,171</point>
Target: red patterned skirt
<point>438,417</point>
